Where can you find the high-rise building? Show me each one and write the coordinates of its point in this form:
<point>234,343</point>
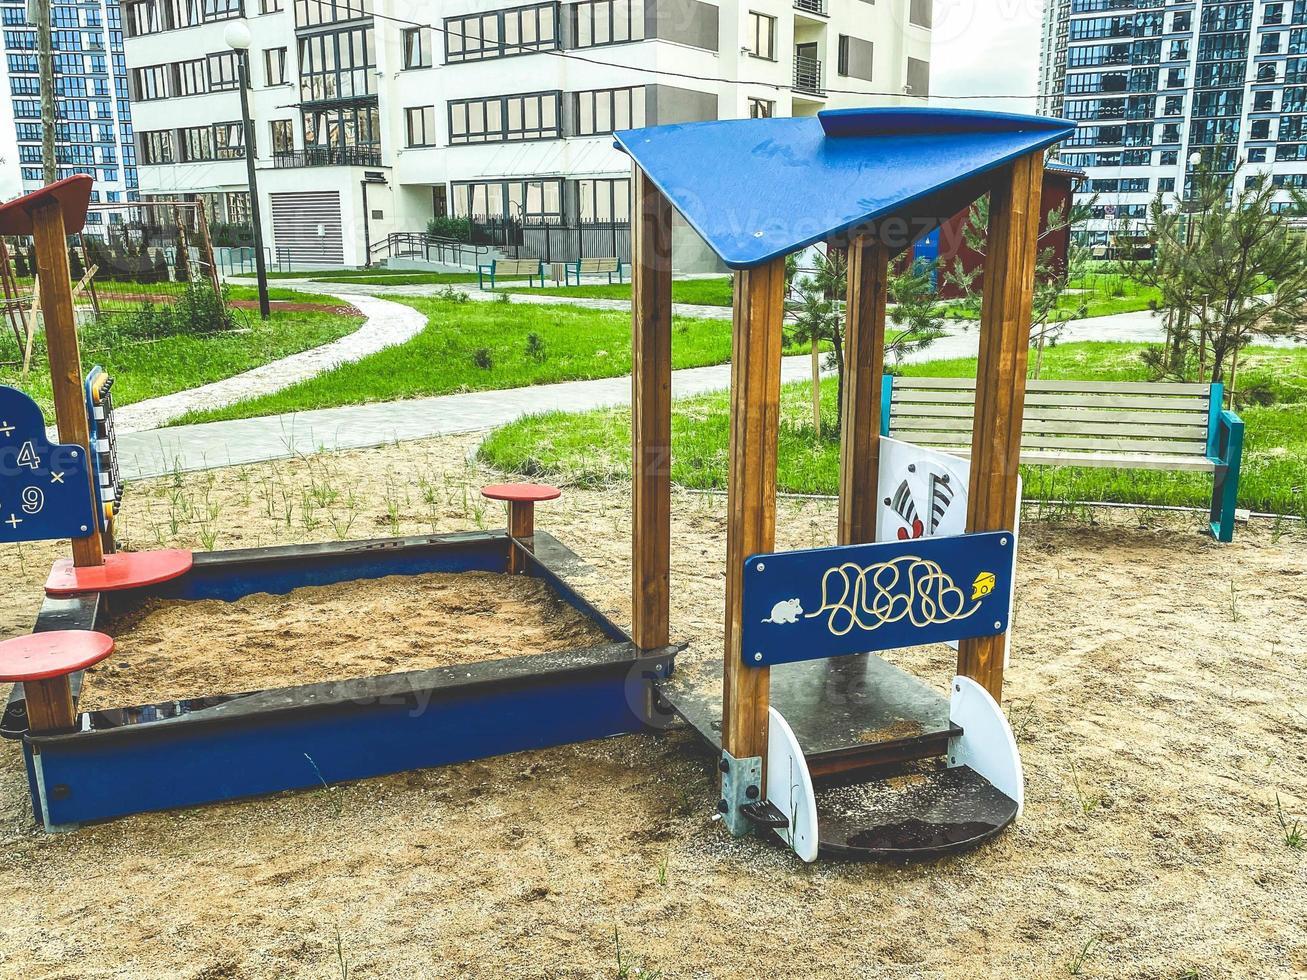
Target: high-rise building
<point>459,108</point>
<point>93,120</point>
<point>1159,87</point>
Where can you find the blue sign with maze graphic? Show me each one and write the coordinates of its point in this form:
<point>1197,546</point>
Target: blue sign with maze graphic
<point>45,491</point>
<point>827,602</point>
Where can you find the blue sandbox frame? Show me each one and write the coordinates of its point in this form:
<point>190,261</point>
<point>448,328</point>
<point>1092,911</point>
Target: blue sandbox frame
<point>208,750</point>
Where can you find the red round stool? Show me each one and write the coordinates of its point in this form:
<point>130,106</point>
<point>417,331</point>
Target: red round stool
<point>41,662</point>
<point>125,570</point>
<point>522,499</point>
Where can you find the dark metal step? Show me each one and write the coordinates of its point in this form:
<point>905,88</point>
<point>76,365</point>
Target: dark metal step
<point>916,814</point>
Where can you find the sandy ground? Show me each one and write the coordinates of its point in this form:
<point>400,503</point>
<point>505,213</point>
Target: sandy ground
<point>1157,689</point>
<point>328,633</point>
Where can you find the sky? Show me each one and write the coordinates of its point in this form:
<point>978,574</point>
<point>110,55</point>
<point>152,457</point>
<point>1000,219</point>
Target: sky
<point>984,48</point>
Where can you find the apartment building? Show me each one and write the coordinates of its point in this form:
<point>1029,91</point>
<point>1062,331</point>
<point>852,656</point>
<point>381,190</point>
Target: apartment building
<point>1155,83</point>
<point>373,116</point>
<point>93,121</point>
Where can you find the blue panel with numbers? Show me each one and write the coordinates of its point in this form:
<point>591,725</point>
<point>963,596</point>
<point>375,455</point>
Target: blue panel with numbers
<point>44,488</point>
<point>825,602</point>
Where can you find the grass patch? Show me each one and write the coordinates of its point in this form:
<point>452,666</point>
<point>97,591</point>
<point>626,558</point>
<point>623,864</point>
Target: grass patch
<point>147,369</point>
<point>593,448</point>
<point>405,278</point>
<point>281,294</point>
<point>700,292</point>
<point>1105,294</point>
<point>471,346</point>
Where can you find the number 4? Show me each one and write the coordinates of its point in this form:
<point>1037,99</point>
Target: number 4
<point>27,456</point>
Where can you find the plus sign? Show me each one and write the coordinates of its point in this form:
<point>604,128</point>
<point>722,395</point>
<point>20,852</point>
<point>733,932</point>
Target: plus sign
<point>14,521</point>
<point>6,428</point>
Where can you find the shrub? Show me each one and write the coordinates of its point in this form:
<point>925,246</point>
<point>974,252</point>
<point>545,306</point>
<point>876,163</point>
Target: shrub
<point>20,264</point>
<point>452,295</point>
<point>482,358</point>
<point>459,229</point>
<point>201,310</point>
<point>535,347</point>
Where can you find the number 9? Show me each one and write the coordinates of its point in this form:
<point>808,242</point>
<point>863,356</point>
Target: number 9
<point>33,500</point>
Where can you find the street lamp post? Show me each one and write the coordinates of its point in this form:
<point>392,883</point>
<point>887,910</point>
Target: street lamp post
<point>237,36</point>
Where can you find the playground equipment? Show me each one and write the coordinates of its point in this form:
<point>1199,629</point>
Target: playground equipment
<point>806,699</point>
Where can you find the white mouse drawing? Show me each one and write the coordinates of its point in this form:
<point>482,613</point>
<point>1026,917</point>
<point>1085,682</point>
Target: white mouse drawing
<point>785,611</point>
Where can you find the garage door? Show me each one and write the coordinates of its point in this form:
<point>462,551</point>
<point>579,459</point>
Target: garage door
<point>306,227</point>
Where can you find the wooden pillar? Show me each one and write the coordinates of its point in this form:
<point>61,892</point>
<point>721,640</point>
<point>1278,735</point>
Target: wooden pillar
<point>864,369</point>
<point>49,705</point>
<point>1008,285</point>
<point>522,526</point>
<point>51,251</point>
<point>751,494</point>
<point>651,414</point>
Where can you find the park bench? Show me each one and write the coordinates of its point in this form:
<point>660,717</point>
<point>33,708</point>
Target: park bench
<point>531,269</point>
<point>1131,425</point>
<point>592,267</point>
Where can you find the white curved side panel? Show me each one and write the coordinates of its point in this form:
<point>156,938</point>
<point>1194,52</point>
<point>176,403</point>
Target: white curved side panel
<point>789,787</point>
<point>986,743</point>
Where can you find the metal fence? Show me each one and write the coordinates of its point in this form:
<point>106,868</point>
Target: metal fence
<point>555,241</point>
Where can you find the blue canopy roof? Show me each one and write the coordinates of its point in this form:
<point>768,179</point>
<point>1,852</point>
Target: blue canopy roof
<point>757,189</point>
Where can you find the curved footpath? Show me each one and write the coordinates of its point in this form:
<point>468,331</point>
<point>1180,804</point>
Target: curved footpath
<point>242,441</point>
<point>387,323</point>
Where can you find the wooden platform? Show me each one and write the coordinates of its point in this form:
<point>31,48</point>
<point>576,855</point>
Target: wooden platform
<point>849,713</point>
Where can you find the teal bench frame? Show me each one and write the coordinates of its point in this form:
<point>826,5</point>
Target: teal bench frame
<point>573,269</point>
<point>491,270</point>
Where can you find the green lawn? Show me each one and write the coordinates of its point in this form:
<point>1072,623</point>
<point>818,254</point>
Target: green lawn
<point>594,447</point>
<point>1106,294</point>
<point>700,292</point>
<point>474,346</point>
<point>316,273</point>
<point>400,278</point>
<point>147,369</point>
<point>281,294</point>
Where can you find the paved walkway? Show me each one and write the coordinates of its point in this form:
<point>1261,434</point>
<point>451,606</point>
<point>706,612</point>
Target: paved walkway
<point>160,451</point>
<point>388,323</point>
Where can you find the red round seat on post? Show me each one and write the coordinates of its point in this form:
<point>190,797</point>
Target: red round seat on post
<point>126,570</point>
<point>522,499</point>
<point>41,662</point>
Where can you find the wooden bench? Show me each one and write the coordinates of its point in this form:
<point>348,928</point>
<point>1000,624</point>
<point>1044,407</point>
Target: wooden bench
<point>592,267</point>
<point>1131,425</point>
<point>532,269</point>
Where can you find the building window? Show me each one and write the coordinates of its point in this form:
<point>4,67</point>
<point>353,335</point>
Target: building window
<point>918,77</point>
<point>920,12</point>
<point>526,200</point>
<point>1270,44</point>
<point>283,135</point>
<point>310,13</point>
<point>1182,21</point>
<point>500,33</point>
<point>1262,101</point>
<point>855,58</point>
<point>761,108</point>
<point>417,48</point>
<point>270,6</point>
<point>157,147</point>
<point>150,83</point>
<point>420,125</point>
<point>1260,130</point>
<point>1173,106</point>
<point>603,200</point>
<point>229,140</point>
<point>337,64</point>
<point>274,66</point>
<point>598,22</point>
<point>197,143</point>
<point>761,39</point>
<point>1257,155</point>
<point>224,71</point>
<point>192,77</point>
<point>507,118</point>
<point>608,110</point>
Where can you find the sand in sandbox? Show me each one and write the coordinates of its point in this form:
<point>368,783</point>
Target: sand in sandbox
<point>172,649</point>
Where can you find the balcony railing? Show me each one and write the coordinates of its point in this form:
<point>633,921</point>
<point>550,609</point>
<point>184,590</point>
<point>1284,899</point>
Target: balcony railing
<point>328,156</point>
<point>807,75</point>
<point>811,6</point>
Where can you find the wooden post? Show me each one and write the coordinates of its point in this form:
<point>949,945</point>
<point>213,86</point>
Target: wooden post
<point>51,251</point>
<point>751,494</point>
<point>864,369</point>
<point>651,415</point>
<point>521,525</point>
<point>203,227</point>
<point>1008,288</point>
<point>49,705</point>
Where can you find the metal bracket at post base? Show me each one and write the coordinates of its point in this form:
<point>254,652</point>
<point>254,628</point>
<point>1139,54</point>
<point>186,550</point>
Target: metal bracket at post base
<point>741,786</point>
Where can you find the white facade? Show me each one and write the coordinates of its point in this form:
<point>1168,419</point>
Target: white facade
<point>1153,83</point>
<point>491,111</point>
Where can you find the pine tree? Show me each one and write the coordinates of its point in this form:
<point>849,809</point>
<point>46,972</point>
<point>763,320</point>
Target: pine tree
<point>75,267</point>
<point>21,269</point>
